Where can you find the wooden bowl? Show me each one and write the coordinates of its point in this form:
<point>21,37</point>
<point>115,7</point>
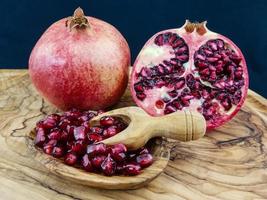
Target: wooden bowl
<point>159,150</point>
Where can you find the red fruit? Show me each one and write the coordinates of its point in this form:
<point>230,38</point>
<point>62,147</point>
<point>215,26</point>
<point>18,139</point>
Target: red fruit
<point>80,133</point>
<point>96,149</point>
<point>70,159</point>
<point>58,152</point>
<point>94,137</point>
<point>119,157</point>
<point>48,123</point>
<point>110,131</point>
<point>54,116</point>
<point>190,68</point>
<point>107,121</point>
<point>118,148</point>
<point>64,124</point>
<point>40,137</point>
<point>108,166</point>
<point>132,169</point>
<point>96,129</point>
<point>49,146</point>
<point>55,134</point>
<point>97,161</point>
<point>83,62</point>
<point>78,147</point>
<point>86,163</point>
<point>144,160</point>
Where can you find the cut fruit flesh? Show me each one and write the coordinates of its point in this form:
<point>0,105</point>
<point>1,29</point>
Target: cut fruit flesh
<point>179,70</point>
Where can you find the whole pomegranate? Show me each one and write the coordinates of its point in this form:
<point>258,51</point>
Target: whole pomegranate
<point>80,62</point>
<point>190,68</point>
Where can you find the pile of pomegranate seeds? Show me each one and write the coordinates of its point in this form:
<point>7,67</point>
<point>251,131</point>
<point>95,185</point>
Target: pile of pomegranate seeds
<point>69,136</point>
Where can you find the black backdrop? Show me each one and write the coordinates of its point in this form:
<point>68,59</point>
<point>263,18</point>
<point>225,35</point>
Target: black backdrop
<point>245,22</point>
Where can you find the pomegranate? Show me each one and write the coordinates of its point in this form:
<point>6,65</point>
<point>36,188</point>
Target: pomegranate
<point>80,62</point>
<point>190,68</point>
<point>70,138</point>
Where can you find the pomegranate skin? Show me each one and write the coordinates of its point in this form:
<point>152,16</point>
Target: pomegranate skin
<point>80,67</point>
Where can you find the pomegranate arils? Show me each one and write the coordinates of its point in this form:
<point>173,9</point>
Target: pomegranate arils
<point>58,152</point>
<point>94,137</point>
<point>96,129</point>
<point>49,146</point>
<point>78,147</point>
<point>72,140</point>
<point>70,159</point>
<point>80,133</point>
<point>144,160</point>
<point>49,123</point>
<point>183,69</point>
<point>40,137</point>
<point>55,134</point>
<point>96,149</point>
<point>108,166</point>
<point>107,121</point>
<point>97,161</point>
<point>86,163</point>
<point>110,131</point>
<point>132,169</point>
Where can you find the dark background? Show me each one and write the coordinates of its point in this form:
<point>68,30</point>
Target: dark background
<point>245,22</point>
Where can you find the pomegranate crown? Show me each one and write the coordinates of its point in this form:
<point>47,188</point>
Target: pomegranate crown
<point>200,28</point>
<point>78,20</point>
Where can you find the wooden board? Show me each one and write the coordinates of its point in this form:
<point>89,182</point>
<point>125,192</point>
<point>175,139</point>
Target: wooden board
<point>229,163</point>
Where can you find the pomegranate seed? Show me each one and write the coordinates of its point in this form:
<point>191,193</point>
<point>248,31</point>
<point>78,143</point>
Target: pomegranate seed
<point>120,168</point>
<point>96,149</point>
<point>49,123</point>
<point>86,163</point>
<point>78,147</point>
<point>96,129</point>
<point>132,169</point>
<point>80,133</point>
<point>107,121</point>
<point>40,137</point>
<point>110,131</point>
<point>64,136</point>
<point>159,104</point>
<point>48,147</point>
<point>97,161</point>
<point>94,137</point>
<point>70,159</point>
<point>54,116</point>
<point>64,124</point>
<point>144,160</point>
<point>140,96</point>
<point>55,134</point>
<point>84,118</point>
<point>58,152</point>
<point>138,88</point>
<point>73,113</point>
<point>108,166</point>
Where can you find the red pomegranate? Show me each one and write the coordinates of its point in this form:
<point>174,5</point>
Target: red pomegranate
<point>190,68</point>
<point>80,62</point>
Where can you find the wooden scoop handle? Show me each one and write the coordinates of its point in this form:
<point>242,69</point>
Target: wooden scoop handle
<point>181,125</point>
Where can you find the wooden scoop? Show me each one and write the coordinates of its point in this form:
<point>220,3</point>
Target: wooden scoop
<point>180,125</point>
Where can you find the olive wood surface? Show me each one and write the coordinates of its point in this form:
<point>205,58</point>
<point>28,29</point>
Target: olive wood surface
<point>227,163</point>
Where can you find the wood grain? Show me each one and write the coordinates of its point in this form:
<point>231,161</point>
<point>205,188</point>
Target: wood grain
<point>228,163</point>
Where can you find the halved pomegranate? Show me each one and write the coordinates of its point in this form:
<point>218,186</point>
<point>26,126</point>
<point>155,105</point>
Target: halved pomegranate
<point>190,68</point>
